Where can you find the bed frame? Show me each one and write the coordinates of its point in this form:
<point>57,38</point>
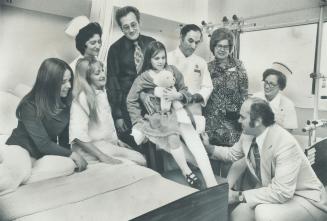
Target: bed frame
<point>206,205</point>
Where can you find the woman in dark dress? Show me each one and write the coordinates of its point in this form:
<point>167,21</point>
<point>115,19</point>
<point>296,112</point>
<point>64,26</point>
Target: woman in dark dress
<point>43,117</point>
<point>230,83</point>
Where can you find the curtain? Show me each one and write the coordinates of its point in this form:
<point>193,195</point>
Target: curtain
<point>102,11</point>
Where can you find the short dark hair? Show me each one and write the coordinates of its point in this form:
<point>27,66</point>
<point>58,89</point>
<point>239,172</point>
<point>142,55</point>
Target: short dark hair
<point>121,12</point>
<point>85,34</point>
<point>261,109</point>
<point>219,35</point>
<point>281,78</point>
<point>189,27</point>
<point>153,48</point>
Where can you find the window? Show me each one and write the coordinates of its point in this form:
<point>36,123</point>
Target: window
<point>294,46</point>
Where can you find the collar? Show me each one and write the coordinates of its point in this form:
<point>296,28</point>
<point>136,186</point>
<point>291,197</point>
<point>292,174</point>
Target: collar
<point>261,139</point>
<point>181,54</point>
<point>130,44</point>
<point>230,63</point>
<point>274,103</point>
<point>97,92</point>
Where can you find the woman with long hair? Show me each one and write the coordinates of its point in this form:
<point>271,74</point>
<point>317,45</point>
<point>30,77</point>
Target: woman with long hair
<point>43,118</point>
<point>92,130</point>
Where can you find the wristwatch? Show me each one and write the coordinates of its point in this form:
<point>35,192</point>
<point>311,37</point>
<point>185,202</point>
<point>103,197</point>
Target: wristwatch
<point>241,197</point>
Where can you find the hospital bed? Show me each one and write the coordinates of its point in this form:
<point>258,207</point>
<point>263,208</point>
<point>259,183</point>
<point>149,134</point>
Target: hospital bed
<point>102,192</point>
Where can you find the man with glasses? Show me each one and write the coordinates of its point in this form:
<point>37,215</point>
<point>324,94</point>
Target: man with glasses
<point>274,80</point>
<point>124,62</point>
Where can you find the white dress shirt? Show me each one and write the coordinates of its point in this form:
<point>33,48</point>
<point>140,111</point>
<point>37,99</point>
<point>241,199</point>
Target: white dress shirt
<point>261,139</point>
<point>196,76</point>
<point>82,128</point>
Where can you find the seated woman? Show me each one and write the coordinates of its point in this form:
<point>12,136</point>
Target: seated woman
<point>274,82</point>
<point>92,131</point>
<point>88,42</point>
<point>163,126</point>
<point>43,118</point>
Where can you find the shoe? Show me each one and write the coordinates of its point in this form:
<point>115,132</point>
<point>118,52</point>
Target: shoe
<point>193,181</point>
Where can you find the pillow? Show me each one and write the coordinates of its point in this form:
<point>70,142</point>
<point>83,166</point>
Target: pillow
<point>8,105</point>
<point>21,90</point>
<point>15,167</point>
<point>3,138</point>
<point>50,166</point>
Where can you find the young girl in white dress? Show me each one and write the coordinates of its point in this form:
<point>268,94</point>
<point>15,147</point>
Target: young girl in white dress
<point>162,127</point>
<point>92,131</point>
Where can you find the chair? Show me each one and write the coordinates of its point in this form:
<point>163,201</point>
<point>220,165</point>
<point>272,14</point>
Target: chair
<point>317,155</point>
<point>153,156</point>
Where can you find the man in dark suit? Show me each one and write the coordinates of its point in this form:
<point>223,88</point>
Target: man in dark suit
<point>285,186</point>
<point>124,62</point>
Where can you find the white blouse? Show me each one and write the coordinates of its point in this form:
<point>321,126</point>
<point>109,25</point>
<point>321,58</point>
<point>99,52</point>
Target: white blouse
<point>284,110</point>
<point>196,76</point>
<point>82,128</point>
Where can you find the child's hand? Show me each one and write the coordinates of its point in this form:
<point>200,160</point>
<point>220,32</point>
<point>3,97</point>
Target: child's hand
<point>120,125</point>
<point>80,162</point>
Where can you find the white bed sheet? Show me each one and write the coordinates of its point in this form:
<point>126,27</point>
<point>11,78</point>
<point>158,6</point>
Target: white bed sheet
<point>102,192</point>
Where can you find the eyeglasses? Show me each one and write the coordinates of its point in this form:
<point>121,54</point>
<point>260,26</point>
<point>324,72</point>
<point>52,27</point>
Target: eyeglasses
<point>270,84</point>
<point>132,26</point>
<point>222,47</point>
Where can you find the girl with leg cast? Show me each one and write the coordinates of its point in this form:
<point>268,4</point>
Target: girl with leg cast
<point>163,127</point>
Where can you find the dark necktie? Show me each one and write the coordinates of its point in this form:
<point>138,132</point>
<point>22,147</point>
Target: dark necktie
<point>138,57</point>
<point>255,150</point>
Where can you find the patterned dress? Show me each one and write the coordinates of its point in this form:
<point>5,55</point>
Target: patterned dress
<point>230,84</point>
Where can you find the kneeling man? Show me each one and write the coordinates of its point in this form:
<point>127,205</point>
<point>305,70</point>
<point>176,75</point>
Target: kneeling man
<point>284,186</point>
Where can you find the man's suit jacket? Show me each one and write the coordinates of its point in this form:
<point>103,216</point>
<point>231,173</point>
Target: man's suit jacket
<point>285,170</point>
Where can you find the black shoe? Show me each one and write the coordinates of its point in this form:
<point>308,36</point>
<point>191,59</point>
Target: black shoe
<point>193,181</point>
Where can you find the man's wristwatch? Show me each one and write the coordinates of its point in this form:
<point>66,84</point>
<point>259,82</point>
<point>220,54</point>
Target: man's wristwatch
<point>241,197</point>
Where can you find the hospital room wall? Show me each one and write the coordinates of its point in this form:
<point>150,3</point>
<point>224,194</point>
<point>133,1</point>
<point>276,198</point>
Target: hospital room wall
<point>265,14</point>
<point>27,37</point>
